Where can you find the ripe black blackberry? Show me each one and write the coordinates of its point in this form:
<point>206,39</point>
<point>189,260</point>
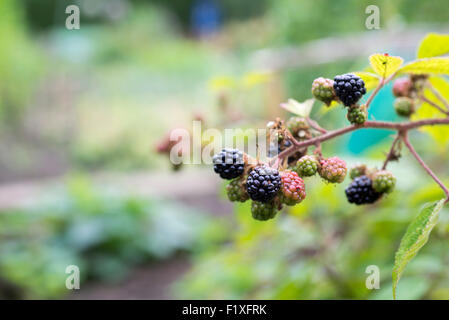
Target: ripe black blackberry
<point>361,191</point>
<point>229,163</point>
<point>349,88</point>
<point>263,183</point>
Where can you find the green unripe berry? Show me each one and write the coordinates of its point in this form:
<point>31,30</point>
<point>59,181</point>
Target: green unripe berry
<point>404,106</point>
<point>296,124</point>
<point>307,166</point>
<point>357,171</point>
<point>357,115</point>
<point>384,181</point>
<point>263,211</point>
<point>236,191</point>
<point>323,90</point>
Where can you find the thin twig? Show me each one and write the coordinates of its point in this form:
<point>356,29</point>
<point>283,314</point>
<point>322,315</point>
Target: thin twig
<point>398,126</point>
<point>391,152</point>
<point>371,97</point>
<point>381,84</point>
<point>438,95</point>
<point>424,165</point>
<point>315,125</point>
<point>433,104</point>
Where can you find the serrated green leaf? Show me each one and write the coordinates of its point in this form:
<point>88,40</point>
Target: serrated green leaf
<point>385,65</point>
<point>433,45</point>
<point>371,80</point>
<point>415,238</point>
<point>301,109</point>
<point>427,65</point>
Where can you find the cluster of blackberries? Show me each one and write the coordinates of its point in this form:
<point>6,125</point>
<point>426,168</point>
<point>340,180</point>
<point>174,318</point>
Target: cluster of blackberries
<point>268,188</point>
<point>368,187</point>
<point>348,88</point>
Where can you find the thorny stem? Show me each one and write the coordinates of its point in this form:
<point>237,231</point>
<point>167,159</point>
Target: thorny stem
<point>398,126</point>
<point>401,127</point>
<point>424,165</point>
<point>391,152</point>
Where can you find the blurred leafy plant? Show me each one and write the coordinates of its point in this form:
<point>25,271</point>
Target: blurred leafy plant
<point>104,234</point>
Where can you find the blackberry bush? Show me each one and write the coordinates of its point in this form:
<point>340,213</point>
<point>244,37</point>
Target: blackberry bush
<point>278,180</point>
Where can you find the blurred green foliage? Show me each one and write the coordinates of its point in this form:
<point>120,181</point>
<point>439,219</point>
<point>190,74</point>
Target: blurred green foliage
<point>104,234</point>
<point>20,63</point>
<point>321,248</point>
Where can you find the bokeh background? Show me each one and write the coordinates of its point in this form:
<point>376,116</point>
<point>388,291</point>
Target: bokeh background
<point>82,113</point>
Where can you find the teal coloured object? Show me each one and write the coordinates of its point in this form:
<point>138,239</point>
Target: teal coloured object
<point>381,109</point>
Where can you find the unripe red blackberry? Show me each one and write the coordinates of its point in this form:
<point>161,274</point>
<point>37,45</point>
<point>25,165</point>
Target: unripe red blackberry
<point>349,88</point>
<point>360,191</point>
<point>296,124</point>
<point>402,87</point>
<point>263,211</point>
<point>263,183</point>
<point>357,171</point>
<point>404,106</point>
<point>229,163</point>
<point>356,115</point>
<point>323,90</point>
<point>236,190</point>
<point>333,170</point>
<point>307,166</point>
<point>293,189</point>
<point>384,181</point>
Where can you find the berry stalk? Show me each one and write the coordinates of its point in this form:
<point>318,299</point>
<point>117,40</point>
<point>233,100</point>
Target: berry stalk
<point>424,165</point>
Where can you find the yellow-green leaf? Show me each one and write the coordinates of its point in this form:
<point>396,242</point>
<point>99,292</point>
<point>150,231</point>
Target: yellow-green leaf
<point>385,65</point>
<point>433,45</point>
<point>301,109</point>
<point>415,238</point>
<point>371,80</point>
<point>439,133</point>
<point>427,65</point>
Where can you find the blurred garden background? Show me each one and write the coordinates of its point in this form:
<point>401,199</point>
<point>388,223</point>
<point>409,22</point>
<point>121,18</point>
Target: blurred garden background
<point>81,183</point>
